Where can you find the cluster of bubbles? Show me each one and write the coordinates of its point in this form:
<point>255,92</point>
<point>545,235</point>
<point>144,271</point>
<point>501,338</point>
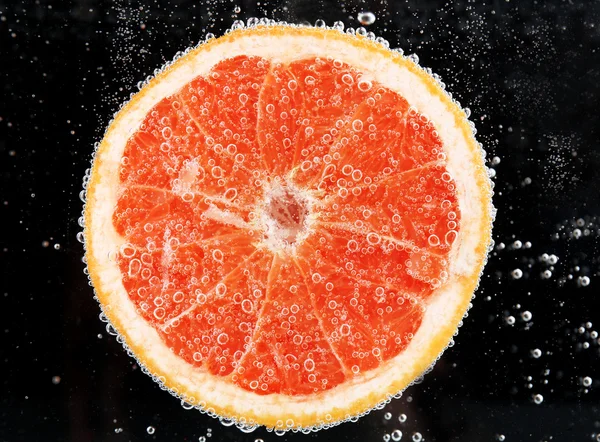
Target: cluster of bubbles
<point>547,261</point>
<point>398,434</point>
<point>208,434</point>
<point>525,316</point>
<point>580,228</point>
<point>562,161</point>
<point>550,261</point>
<point>46,244</point>
<point>586,337</point>
<point>551,266</point>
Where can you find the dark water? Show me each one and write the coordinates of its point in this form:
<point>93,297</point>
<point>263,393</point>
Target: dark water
<point>530,73</point>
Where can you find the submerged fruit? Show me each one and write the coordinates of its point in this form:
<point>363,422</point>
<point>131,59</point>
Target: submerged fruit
<point>287,225</point>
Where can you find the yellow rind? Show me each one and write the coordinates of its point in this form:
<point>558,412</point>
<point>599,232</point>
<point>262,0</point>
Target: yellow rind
<point>428,355</point>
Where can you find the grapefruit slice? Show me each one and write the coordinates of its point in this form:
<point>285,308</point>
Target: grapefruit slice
<point>287,225</point>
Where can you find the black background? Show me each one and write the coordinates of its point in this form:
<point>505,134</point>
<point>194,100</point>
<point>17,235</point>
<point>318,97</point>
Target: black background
<point>529,71</point>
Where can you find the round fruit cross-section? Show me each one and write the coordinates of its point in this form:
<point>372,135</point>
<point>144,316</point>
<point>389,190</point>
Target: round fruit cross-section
<point>287,225</point>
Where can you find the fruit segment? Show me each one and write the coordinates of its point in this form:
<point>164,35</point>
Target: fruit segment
<point>302,107</point>
<point>299,357</point>
<point>219,323</point>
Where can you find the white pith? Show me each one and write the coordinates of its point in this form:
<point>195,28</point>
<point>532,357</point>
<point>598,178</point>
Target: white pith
<point>274,235</point>
<point>445,306</point>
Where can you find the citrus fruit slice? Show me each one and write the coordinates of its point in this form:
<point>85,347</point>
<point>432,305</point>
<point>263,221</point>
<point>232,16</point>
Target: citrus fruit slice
<point>286,226</point>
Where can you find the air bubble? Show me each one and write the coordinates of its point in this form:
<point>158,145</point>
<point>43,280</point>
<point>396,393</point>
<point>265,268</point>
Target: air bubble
<point>347,79</point>
<point>383,42</point>
<point>366,18</point>
<point>526,315</point>
<point>221,289</point>
<point>364,85</point>
<point>247,306</point>
<point>238,24</point>
<point>200,298</point>
<point>338,25</point>
<point>586,381</point>
<point>583,281</point>
<point>434,240</point>
<point>246,428</point>
<point>150,430</point>
<point>417,437</point>
<point>373,238</point>
<point>402,417</point>
<point>536,353</point>
<point>135,266</point>
<point>387,416</point>
<point>357,125</point>
<point>345,330</point>
<point>517,273</point>
<point>414,58</point>
<point>111,330</point>
<point>538,399</point>
<point>223,338</point>
<point>226,422</point>
<point>396,435</point>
